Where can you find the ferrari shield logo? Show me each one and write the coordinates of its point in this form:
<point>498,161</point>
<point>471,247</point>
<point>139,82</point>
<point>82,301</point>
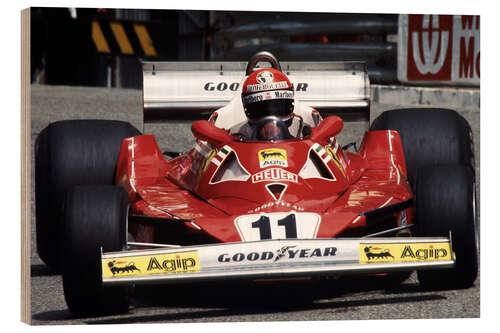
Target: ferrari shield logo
<point>207,160</point>
<point>335,159</point>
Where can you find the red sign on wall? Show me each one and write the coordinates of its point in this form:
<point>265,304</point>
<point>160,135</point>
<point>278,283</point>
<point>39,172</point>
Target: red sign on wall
<point>439,49</point>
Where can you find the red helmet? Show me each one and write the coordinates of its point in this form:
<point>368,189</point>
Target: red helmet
<point>267,92</point>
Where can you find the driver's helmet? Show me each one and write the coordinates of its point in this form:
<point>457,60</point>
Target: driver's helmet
<point>267,92</point>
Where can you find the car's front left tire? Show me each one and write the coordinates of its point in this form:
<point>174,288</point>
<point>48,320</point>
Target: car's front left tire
<point>70,153</point>
<point>95,217</point>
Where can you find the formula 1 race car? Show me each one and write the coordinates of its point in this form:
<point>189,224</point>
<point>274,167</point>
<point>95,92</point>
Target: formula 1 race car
<point>249,207</point>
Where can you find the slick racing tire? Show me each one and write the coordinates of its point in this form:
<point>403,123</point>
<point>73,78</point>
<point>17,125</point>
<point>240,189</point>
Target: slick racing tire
<point>430,137</point>
<point>95,216</point>
<point>445,203</point>
<point>69,153</point>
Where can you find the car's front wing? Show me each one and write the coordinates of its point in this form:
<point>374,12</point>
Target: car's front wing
<point>275,259</point>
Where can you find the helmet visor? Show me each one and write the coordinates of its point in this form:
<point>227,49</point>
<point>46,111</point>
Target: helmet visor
<point>273,107</point>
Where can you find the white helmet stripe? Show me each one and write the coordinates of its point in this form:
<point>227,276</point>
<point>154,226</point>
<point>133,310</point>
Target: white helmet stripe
<point>267,86</point>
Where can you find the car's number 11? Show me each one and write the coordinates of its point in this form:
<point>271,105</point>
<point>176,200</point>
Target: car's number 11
<point>264,226</point>
<point>277,226</point>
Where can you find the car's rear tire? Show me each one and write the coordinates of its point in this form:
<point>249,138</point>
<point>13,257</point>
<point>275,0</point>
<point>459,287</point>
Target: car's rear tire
<point>445,202</point>
<point>430,137</point>
<point>95,216</point>
<point>69,153</point>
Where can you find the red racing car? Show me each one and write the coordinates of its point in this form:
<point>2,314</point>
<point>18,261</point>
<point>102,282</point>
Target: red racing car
<point>259,196</point>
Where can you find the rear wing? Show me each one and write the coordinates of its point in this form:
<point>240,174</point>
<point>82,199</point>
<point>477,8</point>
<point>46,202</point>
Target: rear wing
<point>193,90</point>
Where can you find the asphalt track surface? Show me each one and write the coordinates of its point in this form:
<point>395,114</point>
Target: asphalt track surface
<point>333,300</point>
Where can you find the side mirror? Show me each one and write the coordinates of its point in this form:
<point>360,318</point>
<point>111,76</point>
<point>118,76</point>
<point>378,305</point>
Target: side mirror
<point>329,127</point>
<point>207,131</point>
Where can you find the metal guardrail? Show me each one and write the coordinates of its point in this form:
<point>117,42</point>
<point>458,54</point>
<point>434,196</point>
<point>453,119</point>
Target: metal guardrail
<point>353,25</point>
<point>349,51</point>
<point>357,37</point>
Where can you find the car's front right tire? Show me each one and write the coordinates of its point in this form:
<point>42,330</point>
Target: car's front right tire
<point>444,203</point>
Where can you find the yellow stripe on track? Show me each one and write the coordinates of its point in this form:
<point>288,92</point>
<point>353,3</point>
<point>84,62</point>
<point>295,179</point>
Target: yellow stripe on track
<point>98,38</point>
<point>145,40</point>
<point>121,38</point>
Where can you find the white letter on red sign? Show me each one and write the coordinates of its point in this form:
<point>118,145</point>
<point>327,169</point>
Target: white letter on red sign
<point>430,50</point>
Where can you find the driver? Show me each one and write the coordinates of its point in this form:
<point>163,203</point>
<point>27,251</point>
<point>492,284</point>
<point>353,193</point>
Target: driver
<point>268,102</point>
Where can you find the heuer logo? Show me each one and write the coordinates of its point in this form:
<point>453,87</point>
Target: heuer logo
<point>286,252</point>
<point>424,254</point>
<point>274,174</point>
<point>272,157</point>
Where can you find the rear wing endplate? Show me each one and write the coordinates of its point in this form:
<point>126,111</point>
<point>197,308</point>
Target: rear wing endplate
<point>193,90</point>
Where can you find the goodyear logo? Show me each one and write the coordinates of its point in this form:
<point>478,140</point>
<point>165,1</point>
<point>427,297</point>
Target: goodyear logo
<point>182,262</point>
<point>272,157</point>
<point>124,38</point>
<point>413,252</point>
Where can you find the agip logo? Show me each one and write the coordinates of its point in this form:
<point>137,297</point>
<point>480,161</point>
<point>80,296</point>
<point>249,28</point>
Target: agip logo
<point>403,252</point>
<point>272,157</point>
<point>144,265</point>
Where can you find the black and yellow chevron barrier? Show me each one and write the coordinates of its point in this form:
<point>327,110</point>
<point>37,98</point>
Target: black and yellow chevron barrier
<point>123,38</point>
